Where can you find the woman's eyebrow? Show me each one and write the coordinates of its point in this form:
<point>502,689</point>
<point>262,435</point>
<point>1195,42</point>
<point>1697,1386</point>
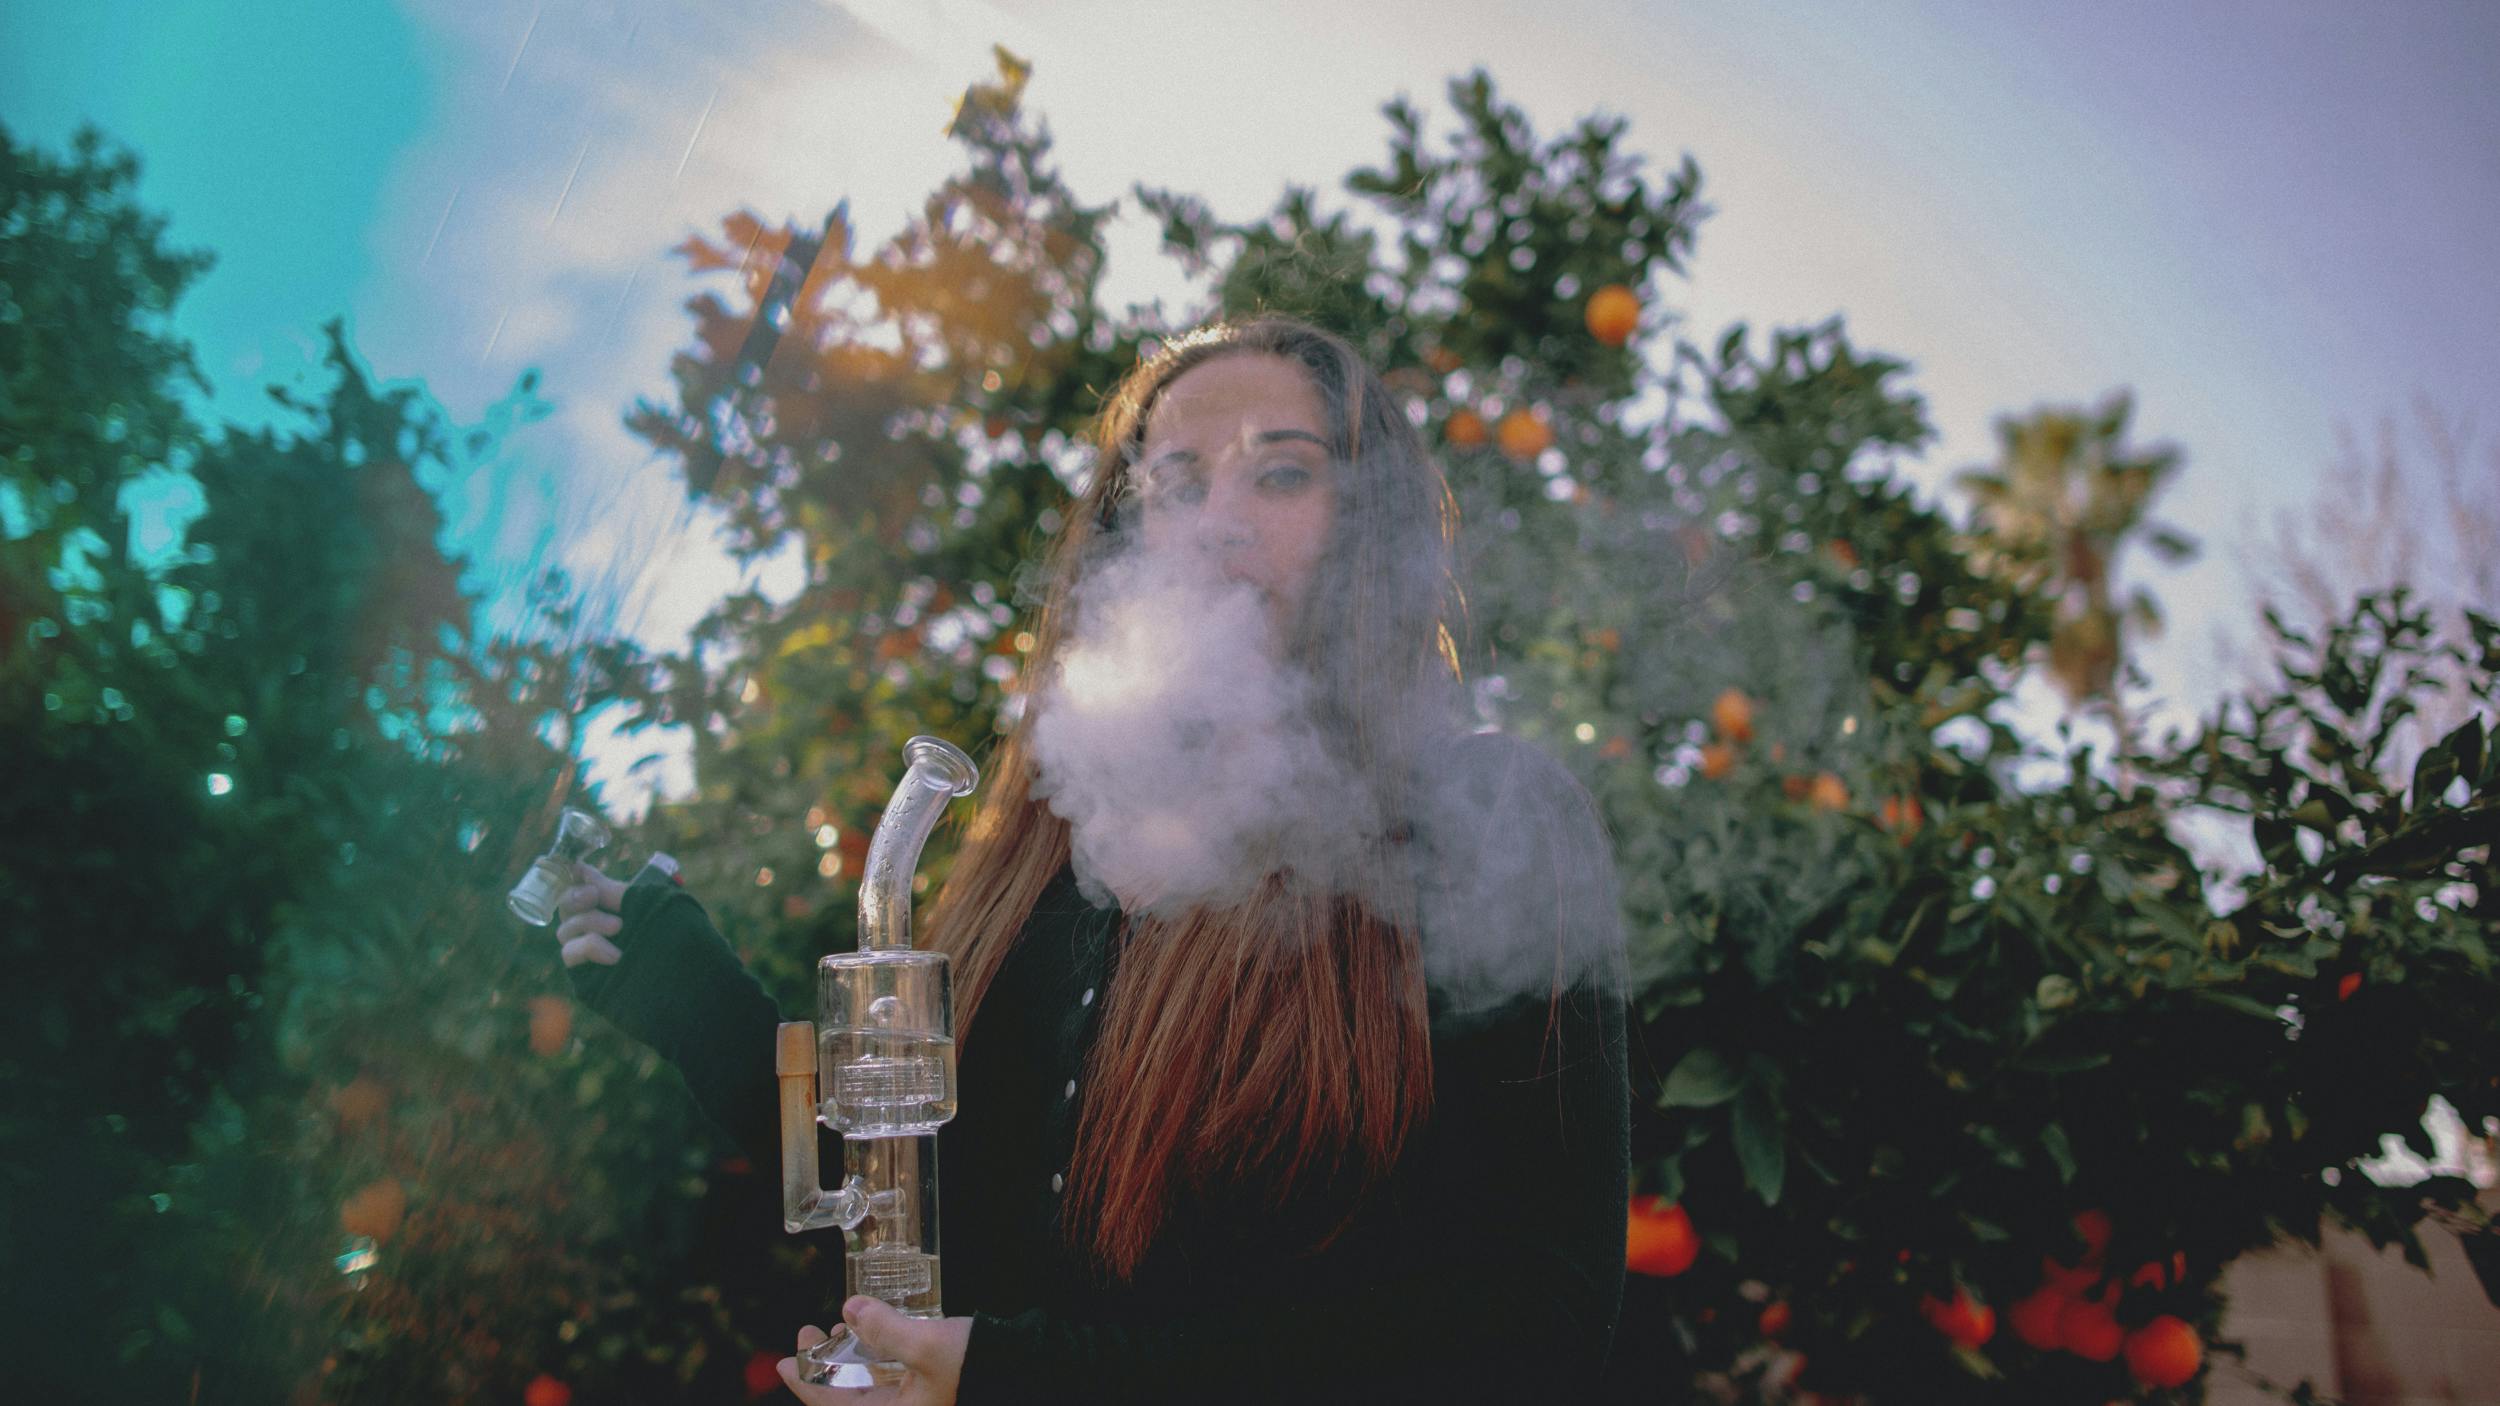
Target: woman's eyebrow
<point>1177,458</point>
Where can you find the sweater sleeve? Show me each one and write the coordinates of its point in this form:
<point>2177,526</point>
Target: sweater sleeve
<point>1506,1273</point>
<point>680,990</point>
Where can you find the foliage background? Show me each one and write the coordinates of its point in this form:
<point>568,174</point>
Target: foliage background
<point>316,1125</point>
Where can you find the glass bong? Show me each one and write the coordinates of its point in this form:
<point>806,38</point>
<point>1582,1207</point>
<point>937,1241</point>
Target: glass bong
<point>878,1067</point>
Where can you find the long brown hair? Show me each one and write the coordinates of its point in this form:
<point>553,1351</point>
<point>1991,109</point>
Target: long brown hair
<point>1288,1031</point>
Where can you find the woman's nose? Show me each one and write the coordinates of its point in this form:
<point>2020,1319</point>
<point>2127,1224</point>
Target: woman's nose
<point>1224,523</point>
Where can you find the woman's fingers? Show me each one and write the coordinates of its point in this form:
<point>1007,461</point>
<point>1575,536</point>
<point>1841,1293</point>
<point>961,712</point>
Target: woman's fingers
<point>828,1395</point>
<point>610,893</point>
<point>933,1349</point>
<point>584,938</point>
<point>603,923</point>
<point>592,892</point>
<point>588,918</point>
<point>593,948</point>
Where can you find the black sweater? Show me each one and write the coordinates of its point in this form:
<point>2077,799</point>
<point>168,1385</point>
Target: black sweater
<point>1491,1269</point>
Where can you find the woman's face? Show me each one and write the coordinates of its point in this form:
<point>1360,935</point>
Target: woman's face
<point>1236,466</point>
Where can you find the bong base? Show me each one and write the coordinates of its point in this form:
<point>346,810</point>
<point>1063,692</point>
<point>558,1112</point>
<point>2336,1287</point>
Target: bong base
<point>842,1360</point>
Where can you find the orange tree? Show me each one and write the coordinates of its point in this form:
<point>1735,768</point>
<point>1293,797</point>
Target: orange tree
<point>294,1102</point>
<point>1915,990</point>
<point>1927,1023</point>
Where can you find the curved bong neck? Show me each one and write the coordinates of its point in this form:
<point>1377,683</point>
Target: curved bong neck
<point>939,772</point>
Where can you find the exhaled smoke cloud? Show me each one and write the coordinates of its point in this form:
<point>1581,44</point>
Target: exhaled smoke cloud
<point>1180,749</point>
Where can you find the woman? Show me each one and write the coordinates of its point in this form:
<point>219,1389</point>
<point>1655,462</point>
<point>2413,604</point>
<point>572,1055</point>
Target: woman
<point>1355,1137</point>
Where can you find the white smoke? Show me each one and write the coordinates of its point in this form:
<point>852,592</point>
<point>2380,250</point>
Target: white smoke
<point>1178,741</point>
<point>1179,746</point>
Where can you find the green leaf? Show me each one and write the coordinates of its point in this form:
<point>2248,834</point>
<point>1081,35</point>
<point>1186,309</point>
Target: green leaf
<point>1731,344</point>
<point>1701,1079</point>
<point>2053,1139</point>
<point>2170,922</point>
<point>1986,1232</point>
<point>2432,774</point>
<point>1975,1362</point>
<point>2466,745</point>
<point>1761,1126</point>
<point>2233,1001</point>
<point>2057,1062</point>
<point>2475,951</point>
<point>1668,1180</point>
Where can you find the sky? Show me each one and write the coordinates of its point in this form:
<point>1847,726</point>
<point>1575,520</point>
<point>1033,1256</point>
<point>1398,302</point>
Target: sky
<point>2266,217</point>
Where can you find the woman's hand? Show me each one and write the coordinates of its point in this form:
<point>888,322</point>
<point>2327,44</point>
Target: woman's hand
<point>587,917</point>
<point>933,1350</point>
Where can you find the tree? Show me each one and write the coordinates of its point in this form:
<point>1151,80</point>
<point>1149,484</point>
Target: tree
<point>264,798</point>
<point>2041,1013</point>
<point>2391,514</point>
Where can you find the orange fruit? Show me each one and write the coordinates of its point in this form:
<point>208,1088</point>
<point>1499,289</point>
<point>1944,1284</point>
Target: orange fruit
<point>1964,1322</point>
<point>1776,1317</point>
<point>359,1101</point>
<point>1794,787</point>
<point>1717,760</point>
<point>2036,1317</point>
<point>551,1024</point>
<point>545,1390</point>
<point>2152,1274</point>
<point>1827,792</point>
<point>1613,314</point>
<point>2067,1282</point>
<point>1901,816</point>
<point>1464,430</point>
<point>2093,1227</point>
<point>374,1209</point>
<point>763,1374</point>
<point>1442,360</point>
<point>2090,1330</point>
<point>1659,1239</point>
<point>1524,434</point>
<point>1732,714</point>
<point>2164,1352</point>
<point>1843,553</point>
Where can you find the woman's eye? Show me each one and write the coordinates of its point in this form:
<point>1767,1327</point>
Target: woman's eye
<point>1285,478</point>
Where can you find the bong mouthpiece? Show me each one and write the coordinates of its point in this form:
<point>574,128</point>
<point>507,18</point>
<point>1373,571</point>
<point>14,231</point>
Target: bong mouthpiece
<point>939,772</point>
